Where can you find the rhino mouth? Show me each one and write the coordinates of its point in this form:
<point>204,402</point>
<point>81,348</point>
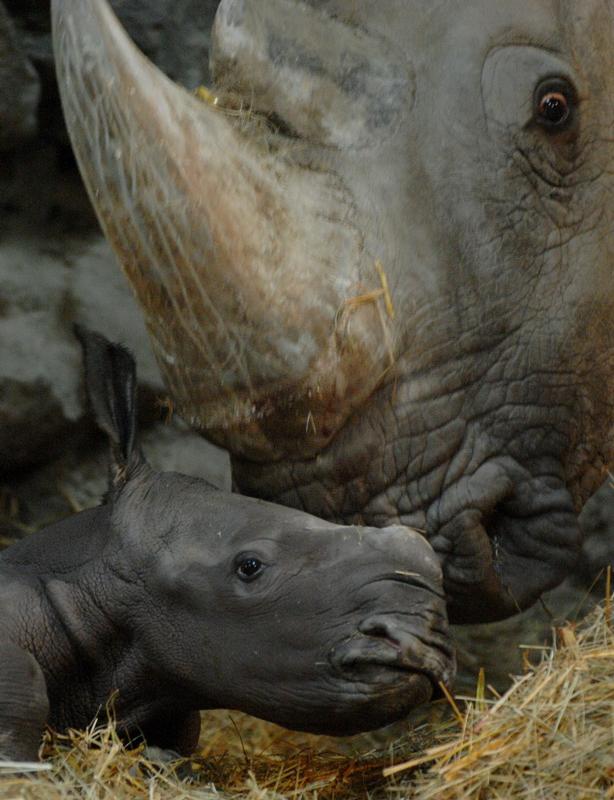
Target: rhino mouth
<point>516,536</point>
<point>380,655</point>
<point>385,668</point>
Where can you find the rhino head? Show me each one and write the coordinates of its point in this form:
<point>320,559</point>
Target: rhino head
<point>393,303</point>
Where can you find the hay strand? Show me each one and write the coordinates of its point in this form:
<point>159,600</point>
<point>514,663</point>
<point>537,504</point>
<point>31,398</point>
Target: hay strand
<point>550,735</point>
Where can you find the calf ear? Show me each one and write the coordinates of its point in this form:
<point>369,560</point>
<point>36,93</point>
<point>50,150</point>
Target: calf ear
<point>110,377</point>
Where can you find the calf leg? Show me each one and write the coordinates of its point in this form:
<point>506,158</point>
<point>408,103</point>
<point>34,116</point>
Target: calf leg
<point>24,705</point>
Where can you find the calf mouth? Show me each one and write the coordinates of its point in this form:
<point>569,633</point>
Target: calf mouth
<point>384,655</point>
<point>383,673</point>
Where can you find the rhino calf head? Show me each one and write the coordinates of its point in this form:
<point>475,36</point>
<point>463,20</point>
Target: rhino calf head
<point>399,309</point>
<point>182,597</point>
<point>315,626</point>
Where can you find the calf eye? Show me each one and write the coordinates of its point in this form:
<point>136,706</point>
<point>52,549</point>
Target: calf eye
<point>248,568</point>
<point>554,104</point>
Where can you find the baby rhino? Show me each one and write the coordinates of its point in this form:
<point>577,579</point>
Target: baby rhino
<point>182,597</point>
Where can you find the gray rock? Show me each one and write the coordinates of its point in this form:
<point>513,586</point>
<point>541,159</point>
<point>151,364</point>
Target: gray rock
<point>175,448</point>
<point>47,284</point>
<point>172,33</point>
<point>19,87</point>
<point>82,478</point>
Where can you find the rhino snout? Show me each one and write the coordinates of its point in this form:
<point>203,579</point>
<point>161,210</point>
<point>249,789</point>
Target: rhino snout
<point>406,630</point>
<point>404,638</point>
<point>398,645</point>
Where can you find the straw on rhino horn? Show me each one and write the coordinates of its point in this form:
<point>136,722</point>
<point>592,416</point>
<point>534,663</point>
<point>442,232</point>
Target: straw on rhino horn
<point>183,597</point>
<point>466,146</point>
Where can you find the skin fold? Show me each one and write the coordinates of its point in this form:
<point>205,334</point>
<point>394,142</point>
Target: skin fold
<point>172,597</point>
<point>395,306</point>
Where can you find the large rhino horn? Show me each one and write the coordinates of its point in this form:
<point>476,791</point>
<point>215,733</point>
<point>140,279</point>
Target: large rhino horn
<point>247,263</point>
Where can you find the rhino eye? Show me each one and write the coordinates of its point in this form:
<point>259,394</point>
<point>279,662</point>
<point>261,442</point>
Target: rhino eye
<point>554,104</point>
<point>248,567</point>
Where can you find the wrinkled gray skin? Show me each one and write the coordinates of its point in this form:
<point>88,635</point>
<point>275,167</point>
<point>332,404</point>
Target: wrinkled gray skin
<point>340,629</point>
<point>410,134</point>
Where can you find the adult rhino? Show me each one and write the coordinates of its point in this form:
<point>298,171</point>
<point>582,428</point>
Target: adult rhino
<point>395,307</point>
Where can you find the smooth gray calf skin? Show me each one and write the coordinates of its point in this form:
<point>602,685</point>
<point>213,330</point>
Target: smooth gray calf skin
<point>182,597</point>
<point>463,152</point>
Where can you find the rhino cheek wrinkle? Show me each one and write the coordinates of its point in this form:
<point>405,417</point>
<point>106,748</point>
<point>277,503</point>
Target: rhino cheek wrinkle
<point>182,597</point>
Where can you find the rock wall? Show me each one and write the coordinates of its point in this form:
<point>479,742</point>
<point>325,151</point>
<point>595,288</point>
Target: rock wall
<point>19,86</point>
<point>55,266</point>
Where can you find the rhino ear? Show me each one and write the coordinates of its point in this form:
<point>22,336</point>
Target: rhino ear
<point>110,376</point>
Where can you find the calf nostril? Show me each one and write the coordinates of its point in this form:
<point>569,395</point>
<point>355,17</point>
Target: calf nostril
<point>379,630</point>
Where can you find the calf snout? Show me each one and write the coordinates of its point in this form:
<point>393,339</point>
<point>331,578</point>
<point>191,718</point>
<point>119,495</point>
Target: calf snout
<point>403,626</point>
<point>417,643</point>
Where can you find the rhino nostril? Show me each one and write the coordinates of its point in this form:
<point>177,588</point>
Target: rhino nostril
<point>379,629</point>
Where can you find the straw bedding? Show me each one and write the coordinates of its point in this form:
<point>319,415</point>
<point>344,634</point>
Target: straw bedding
<point>551,735</point>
